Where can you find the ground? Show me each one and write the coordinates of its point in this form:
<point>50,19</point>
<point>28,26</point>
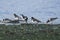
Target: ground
<point>30,32</point>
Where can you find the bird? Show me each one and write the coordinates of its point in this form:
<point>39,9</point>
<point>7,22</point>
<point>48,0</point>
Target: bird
<point>24,17</point>
<point>51,19</point>
<point>35,20</point>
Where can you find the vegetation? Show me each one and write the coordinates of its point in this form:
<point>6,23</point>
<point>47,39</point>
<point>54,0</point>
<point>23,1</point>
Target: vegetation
<point>30,32</point>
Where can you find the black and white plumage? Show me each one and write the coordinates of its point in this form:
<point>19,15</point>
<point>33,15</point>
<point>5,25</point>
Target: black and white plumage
<point>6,20</point>
<point>35,20</point>
<point>16,20</point>
<point>16,16</point>
<point>51,19</point>
<point>24,17</point>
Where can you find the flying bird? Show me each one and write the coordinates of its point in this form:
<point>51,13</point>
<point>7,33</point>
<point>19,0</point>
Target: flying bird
<point>16,16</point>
<point>35,20</point>
<point>24,17</point>
<point>6,20</point>
<point>51,19</point>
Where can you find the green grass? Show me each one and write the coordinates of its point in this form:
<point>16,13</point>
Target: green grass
<point>30,32</point>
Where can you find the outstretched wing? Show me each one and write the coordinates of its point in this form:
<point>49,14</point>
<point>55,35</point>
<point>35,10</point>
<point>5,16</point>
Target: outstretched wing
<point>51,19</point>
<point>16,15</point>
<point>34,19</point>
<point>6,19</point>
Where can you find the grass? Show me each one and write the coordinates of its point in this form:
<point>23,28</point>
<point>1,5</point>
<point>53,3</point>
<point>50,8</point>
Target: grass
<point>30,32</point>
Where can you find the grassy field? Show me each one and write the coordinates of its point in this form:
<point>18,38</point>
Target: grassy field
<point>30,32</point>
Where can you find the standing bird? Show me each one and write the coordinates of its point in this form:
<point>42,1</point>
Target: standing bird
<point>51,19</point>
<point>35,20</point>
<point>24,17</point>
